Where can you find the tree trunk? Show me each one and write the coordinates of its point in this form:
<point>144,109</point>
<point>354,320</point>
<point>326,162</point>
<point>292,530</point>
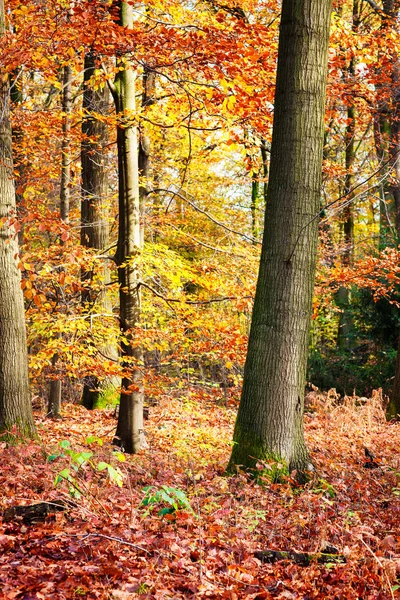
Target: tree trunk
<point>383,124</point>
<point>54,402</point>
<point>94,216</point>
<point>270,418</point>
<point>394,404</point>
<point>129,435</point>
<point>19,166</point>
<point>15,400</point>
<point>144,158</point>
<point>387,142</point>
<point>343,298</point>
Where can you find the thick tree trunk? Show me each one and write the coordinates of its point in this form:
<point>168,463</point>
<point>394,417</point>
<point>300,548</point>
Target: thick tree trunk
<point>129,435</point>
<point>15,400</point>
<point>94,216</point>
<point>17,139</point>
<point>270,418</point>
<point>54,402</point>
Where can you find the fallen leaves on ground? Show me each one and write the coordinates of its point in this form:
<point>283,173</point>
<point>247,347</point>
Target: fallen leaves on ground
<point>108,545</point>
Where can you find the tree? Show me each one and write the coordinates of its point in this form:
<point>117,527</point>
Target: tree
<point>15,401</point>
<point>270,418</point>
<point>95,213</point>
<point>343,296</point>
<point>129,433</point>
<point>388,122</point>
<point>54,403</point>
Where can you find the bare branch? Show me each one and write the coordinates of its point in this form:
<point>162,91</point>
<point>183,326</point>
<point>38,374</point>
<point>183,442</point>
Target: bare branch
<point>187,198</point>
<point>375,6</point>
<point>197,302</point>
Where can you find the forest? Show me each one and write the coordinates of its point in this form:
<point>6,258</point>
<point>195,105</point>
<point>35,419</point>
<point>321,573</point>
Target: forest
<point>199,299</point>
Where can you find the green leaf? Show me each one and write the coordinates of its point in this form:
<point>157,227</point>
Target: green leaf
<point>53,457</point>
<point>102,466</point>
<point>65,473</point>
<point>166,511</point>
<point>65,444</point>
<point>92,439</point>
<point>115,476</point>
<point>119,456</point>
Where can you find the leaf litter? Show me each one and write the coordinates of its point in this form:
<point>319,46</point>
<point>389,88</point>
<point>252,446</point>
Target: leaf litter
<point>178,528</point>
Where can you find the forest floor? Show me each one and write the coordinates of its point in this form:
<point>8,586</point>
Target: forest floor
<point>109,545</point>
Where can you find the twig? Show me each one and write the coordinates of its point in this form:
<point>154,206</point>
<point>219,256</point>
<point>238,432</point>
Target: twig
<point>380,564</point>
<point>120,541</point>
<point>107,537</point>
<point>346,195</point>
<point>184,196</point>
<point>197,302</point>
<point>375,6</point>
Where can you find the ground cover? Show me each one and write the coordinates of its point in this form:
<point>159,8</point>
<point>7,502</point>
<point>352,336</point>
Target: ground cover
<point>194,532</point>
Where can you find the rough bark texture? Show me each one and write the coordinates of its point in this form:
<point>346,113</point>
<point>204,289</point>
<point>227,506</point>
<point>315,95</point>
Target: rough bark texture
<point>270,418</point>
<point>129,435</point>
<point>144,157</point>
<point>387,141</point>
<point>54,403</point>
<point>15,400</point>
<point>385,134</point>
<point>94,214</point>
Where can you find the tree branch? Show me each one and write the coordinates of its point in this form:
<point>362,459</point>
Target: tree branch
<point>375,6</point>
<point>185,196</point>
<point>197,302</point>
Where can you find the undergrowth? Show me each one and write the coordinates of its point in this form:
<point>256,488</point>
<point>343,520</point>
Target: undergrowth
<point>177,527</point>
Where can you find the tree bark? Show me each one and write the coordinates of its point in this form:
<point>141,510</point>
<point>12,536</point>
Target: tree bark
<point>387,141</point>
<point>15,400</point>
<point>54,402</point>
<point>129,435</point>
<point>343,298</point>
<point>270,418</point>
<point>94,216</point>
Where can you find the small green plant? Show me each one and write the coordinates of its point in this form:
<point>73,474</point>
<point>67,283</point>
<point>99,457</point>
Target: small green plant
<point>254,517</point>
<point>272,470</point>
<point>167,499</point>
<point>73,475</point>
<point>325,488</point>
<point>143,588</point>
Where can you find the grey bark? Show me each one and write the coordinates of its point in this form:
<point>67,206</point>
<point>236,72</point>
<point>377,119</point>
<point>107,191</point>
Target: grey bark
<point>15,400</point>
<point>95,214</point>
<point>387,141</point>
<point>346,322</point>
<point>54,401</point>
<point>270,418</point>
<point>129,434</point>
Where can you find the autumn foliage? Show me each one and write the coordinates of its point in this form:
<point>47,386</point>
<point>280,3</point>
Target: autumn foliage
<point>205,77</point>
<point>108,544</point>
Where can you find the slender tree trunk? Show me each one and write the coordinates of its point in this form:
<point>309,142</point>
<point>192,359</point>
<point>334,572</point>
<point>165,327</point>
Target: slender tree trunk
<point>255,186</point>
<point>383,125</point>
<point>144,157</point>
<point>343,298</point>
<point>129,435</point>
<point>387,143</point>
<point>54,402</point>
<point>270,418</point>
<point>15,400</point>
<point>394,404</point>
<point>94,215</point>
